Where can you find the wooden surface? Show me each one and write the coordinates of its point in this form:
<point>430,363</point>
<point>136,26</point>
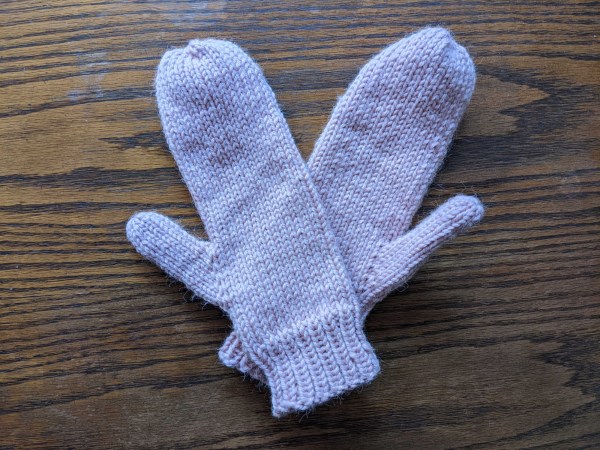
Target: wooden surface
<point>494,344</point>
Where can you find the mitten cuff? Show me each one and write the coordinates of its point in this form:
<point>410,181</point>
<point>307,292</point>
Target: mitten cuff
<point>319,359</point>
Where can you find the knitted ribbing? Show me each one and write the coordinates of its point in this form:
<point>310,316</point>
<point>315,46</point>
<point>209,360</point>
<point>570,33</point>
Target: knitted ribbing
<point>271,260</point>
<point>373,163</point>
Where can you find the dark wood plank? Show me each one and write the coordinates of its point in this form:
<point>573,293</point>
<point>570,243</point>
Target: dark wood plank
<point>494,344</point>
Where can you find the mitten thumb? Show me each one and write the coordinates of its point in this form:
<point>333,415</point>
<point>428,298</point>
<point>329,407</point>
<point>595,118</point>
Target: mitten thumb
<point>180,254</point>
<point>399,260</point>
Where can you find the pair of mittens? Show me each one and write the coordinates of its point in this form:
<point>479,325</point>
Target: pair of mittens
<point>298,254</point>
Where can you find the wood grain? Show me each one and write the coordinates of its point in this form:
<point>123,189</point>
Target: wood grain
<point>494,344</point>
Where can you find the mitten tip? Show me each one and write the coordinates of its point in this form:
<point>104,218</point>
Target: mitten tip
<point>202,48</point>
<point>434,32</point>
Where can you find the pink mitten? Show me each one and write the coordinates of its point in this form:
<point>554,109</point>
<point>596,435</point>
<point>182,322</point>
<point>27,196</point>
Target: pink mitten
<point>373,164</point>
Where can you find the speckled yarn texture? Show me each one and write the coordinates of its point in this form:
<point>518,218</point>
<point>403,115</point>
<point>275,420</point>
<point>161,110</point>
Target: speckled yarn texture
<point>299,253</point>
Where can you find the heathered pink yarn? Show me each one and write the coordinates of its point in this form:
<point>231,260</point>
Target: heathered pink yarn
<point>272,262</point>
<point>373,164</point>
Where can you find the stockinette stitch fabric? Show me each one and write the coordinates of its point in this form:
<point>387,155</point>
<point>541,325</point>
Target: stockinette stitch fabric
<point>291,319</point>
<point>271,261</point>
<point>372,166</point>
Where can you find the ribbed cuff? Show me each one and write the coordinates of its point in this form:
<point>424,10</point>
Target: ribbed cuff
<point>318,360</point>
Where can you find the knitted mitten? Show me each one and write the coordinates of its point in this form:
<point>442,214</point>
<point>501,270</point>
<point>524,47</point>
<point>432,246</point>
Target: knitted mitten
<point>374,162</point>
<point>421,67</point>
<point>271,261</point>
